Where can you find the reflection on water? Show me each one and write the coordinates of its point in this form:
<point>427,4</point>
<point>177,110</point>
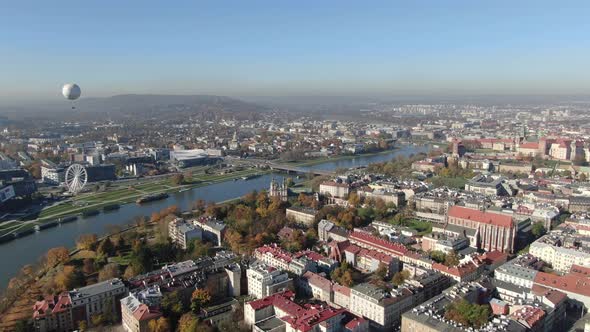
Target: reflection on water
<point>28,249</point>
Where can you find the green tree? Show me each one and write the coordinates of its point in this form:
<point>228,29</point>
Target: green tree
<point>173,306</point>
<point>23,326</point>
<point>438,256</point>
<point>106,248</point>
<point>538,230</point>
<point>472,315</point>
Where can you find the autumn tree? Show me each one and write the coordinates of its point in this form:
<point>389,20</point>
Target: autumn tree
<point>106,248</point>
<point>57,255</point>
<point>69,278</point>
<point>381,272</point>
<point>451,259</point>
<point>130,272</point>
<point>86,241</point>
<point>199,299</point>
<point>159,325</point>
<point>178,179</point>
<point>88,266</point>
<point>400,277</point>
<point>109,271</point>
<point>354,199</point>
<point>188,323</point>
<point>343,275</point>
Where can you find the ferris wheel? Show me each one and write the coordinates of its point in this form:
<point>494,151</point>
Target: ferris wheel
<point>76,177</point>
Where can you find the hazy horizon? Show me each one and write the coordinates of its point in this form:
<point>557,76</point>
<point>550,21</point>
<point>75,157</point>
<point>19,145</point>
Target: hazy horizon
<point>264,48</point>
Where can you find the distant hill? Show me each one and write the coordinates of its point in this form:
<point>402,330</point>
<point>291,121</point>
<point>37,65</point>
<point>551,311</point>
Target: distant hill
<point>139,101</point>
<point>144,106</point>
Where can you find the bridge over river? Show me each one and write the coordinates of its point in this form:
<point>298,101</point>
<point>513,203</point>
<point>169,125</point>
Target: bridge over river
<point>295,169</point>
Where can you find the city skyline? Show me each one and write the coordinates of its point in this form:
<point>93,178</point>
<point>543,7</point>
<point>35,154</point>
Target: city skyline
<point>268,49</point>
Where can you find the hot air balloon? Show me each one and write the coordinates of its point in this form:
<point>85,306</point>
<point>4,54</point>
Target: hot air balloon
<point>71,91</point>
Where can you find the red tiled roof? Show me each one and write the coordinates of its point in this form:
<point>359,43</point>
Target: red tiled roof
<point>143,312</point>
<point>490,257</point>
<point>374,254</point>
<point>531,315</point>
<point>571,282</point>
<point>64,301</point>
<point>318,281</point>
<point>351,248</point>
<point>341,289</point>
<point>553,295</point>
<point>300,318</point>
<point>485,217</point>
<point>529,145</point>
<point>378,243</point>
<point>356,322</point>
<point>582,271</point>
<point>269,300</point>
<point>314,256</point>
<point>275,251</point>
<point>458,271</point>
<point>311,317</point>
<point>41,308</point>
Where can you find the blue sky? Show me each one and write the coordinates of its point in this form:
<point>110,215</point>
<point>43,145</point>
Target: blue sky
<point>249,47</point>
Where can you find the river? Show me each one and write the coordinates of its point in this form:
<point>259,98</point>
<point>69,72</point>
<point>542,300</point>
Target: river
<point>29,249</point>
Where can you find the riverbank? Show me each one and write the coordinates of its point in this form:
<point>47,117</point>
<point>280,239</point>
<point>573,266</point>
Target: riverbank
<point>33,246</point>
<point>119,195</point>
<point>322,160</point>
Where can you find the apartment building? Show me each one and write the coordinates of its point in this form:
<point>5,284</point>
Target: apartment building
<point>334,189</point>
<point>265,280</point>
<point>381,307</point>
<point>182,232</point>
<point>139,308</point>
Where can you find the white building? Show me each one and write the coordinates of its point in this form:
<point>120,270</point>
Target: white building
<point>52,174</point>
<point>136,312</point>
<point>213,230</point>
<point>334,189</point>
<point>99,298</point>
<point>515,274</point>
<point>382,308</point>
<point>182,232</point>
<point>264,280</point>
<point>561,258</point>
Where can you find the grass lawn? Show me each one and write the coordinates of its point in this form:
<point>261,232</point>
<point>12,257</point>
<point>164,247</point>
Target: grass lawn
<point>423,227</point>
<point>124,259</point>
<point>457,183</point>
<point>8,224</point>
<point>124,194</point>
